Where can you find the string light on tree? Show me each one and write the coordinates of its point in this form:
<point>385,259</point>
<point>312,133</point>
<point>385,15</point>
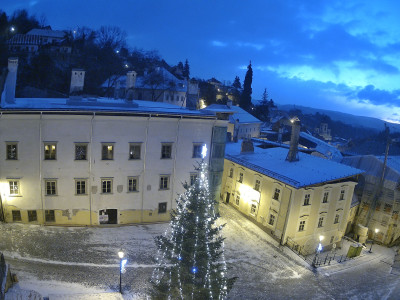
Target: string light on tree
<point>191,261</point>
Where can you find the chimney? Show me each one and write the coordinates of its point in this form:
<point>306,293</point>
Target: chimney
<point>11,81</point>
<point>247,147</point>
<point>130,80</point>
<point>77,82</point>
<point>229,103</point>
<point>293,154</point>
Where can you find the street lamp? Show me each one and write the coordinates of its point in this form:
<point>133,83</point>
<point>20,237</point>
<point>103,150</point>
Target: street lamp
<point>318,250</point>
<point>376,231</point>
<point>122,263</point>
<point>12,28</point>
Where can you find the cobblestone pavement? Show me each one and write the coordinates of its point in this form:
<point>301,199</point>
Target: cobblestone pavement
<point>88,256</point>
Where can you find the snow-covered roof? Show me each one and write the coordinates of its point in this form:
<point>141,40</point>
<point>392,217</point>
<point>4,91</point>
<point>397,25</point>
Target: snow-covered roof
<point>307,171</point>
<point>100,105</point>
<point>23,39</point>
<point>47,33</point>
<point>324,148</point>
<point>237,113</point>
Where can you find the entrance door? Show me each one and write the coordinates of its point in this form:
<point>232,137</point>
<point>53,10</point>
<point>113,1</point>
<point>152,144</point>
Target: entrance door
<point>228,195</point>
<point>108,216</point>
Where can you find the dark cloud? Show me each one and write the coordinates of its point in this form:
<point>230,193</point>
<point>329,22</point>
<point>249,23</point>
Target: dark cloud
<point>378,96</point>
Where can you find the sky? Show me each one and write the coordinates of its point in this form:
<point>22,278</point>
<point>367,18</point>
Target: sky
<point>336,55</point>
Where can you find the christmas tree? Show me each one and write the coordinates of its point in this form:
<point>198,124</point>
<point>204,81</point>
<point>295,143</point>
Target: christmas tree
<point>191,262</point>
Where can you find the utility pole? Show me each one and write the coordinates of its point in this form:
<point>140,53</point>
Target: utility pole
<point>379,188</point>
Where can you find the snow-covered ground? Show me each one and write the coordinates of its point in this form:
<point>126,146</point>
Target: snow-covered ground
<point>63,262</point>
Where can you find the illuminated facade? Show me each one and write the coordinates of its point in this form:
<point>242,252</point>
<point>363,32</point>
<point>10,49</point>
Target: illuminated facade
<point>295,201</point>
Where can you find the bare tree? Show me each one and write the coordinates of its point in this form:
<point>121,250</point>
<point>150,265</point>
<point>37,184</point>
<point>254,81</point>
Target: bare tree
<point>111,37</point>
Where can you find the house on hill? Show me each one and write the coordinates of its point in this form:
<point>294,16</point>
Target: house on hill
<point>296,197</point>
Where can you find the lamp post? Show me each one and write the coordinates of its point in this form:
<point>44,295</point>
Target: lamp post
<point>376,231</point>
<point>121,256</point>
<point>318,250</point>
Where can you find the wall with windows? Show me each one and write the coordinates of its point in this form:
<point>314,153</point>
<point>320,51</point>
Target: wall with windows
<point>92,169</point>
<point>302,215</point>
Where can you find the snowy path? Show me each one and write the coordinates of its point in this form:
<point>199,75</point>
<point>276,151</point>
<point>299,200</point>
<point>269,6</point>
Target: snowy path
<point>84,260</point>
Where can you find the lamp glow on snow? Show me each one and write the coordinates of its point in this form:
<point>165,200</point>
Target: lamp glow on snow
<point>122,263</point>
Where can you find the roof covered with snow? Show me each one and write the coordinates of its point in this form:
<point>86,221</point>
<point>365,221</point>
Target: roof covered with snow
<point>101,105</point>
<point>47,33</point>
<point>308,171</point>
<point>324,148</point>
<point>238,114</point>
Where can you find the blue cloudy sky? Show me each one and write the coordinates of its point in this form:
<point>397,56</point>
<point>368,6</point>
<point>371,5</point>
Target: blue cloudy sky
<point>338,55</point>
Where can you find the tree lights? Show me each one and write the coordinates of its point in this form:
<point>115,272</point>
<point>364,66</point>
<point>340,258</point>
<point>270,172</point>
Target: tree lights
<point>191,262</point>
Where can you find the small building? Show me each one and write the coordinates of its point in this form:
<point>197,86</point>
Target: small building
<point>296,197</point>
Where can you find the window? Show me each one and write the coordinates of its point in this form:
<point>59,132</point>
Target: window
<point>325,198</point>
<point>231,172</point>
<point>307,199</point>
<point>16,215</point>
<point>271,220</point>
<point>49,216</point>
<point>80,151</point>
<point>197,150</point>
<point>321,222</point>
<point>132,184</point>
<point>218,150</point>
<point>240,177</point>
<point>50,151</point>
<point>164,182</point>
<point>193,178</point>
<point>162,207</point>
<point>12,151</point>
<point>276,194</point>
<point>387,208</point>
<point>32,215</point>
<point>80,187</point>
<point>51,187</point>
<point>106,186</point>
<point>107,152</point>
<point>166,150</point>
<point>237,201</point>
<point>253,209</point>
<point>336,219</point>
<point>341,195</point>
<point>302,225</point>
<point>14,187</point>
<point>134,151</point>
<point>257,185</point>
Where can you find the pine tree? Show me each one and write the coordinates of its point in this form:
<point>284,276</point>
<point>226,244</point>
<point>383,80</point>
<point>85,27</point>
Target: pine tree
<point>236,83</point>
<point>191,262</point>
<point>186,69</point>
<point>245,99</point>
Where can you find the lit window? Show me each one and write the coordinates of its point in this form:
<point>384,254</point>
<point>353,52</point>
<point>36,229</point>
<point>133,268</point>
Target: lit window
<point>341,195</point>
<point>50,151</point>
<point>80,187</point>
<point>16,215</point>
<point>301,226</point>
<point>50,216</point>
<point>80,151</point>
<point>193,178</point>
<point>162,207</point>
<point>237,201</point>
<point>14,187</point>
<point>240,177</point>
<point>325,198</point>
<point>276,194</point>
<point>336,219</point>
<point>257,185</point>
<point>307,199</point>
<point>231,173</point>
<point>12,151</point>
<point>253,209</point>
<point>197,148</point>
<point>132,184</point>
<point>134,151</point>
<point>271,220</point>
<point>51,187</point>
<point>321,222</point>
<point>32,215</point>
<point>106,186</point>
<point>164,182</point>
<point>166,151</point>
<point>107,152</point>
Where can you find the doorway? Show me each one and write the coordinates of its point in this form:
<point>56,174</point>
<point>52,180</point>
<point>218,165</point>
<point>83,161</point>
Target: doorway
<point>108,216</point>
<point>228,195</point>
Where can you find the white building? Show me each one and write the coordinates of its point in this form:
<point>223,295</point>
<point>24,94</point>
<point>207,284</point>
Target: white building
<point>81,161</point>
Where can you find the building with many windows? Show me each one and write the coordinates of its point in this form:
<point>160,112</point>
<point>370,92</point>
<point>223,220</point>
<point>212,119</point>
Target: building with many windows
<point>91,161</point>
<point>296,197</point>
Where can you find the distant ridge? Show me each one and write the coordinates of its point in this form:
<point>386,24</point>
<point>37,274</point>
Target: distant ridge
<point>357,121</point>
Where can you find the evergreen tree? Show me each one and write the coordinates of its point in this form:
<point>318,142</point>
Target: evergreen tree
<point>245,99</point>
<point>186,70</point>
<point>236,83</point>
<point>191,255</point>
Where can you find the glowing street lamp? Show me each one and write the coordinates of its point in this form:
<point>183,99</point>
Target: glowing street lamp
<point>12,29</point>
<point>122,263</point>
<point>318,250</point>
<point>376,231</point>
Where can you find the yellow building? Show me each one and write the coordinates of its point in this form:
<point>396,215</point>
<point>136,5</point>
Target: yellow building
<point>298,198</point>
